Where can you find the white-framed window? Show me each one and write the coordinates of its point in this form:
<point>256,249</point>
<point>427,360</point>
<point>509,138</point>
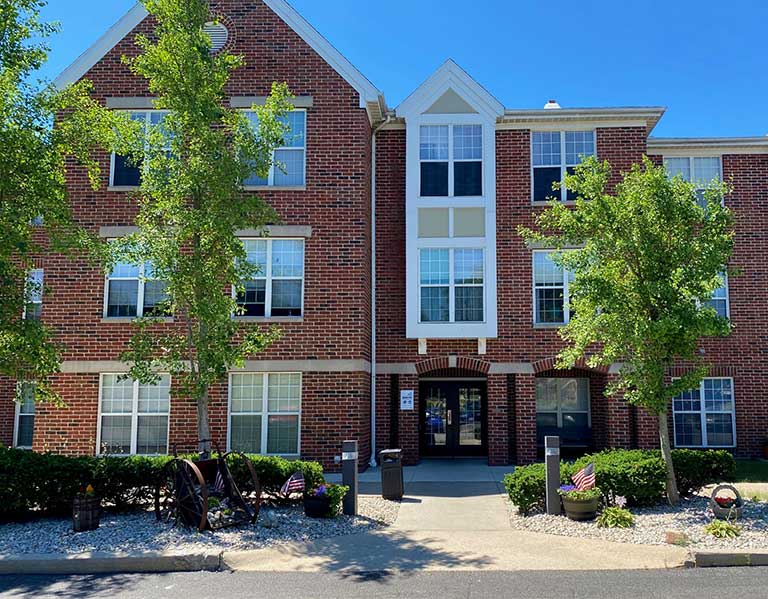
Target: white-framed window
<point>289,161</point>
<point>550,290</point>
<point>705,417</point>
<point>720,300</point>
<point>133,418</point>
<point>701,171</point>
<point>451,160</point>
<point>132,292</point>
<point>123,171</point>
<point>563,403</point>
<point>265,413</point>
<point>277,290</point>
<point>33,307</point>
<point>24,428</point>
<point>451,284</point>
<point>554,154</point>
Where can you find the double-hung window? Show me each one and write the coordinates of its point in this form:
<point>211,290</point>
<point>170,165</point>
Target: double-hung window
<point>700,171</point>
<point>451,160</point>
<point>277,289</point>
<point>132,292</point>
<point>133,418</point>
<point>289,160</point>
<point>264,413</point>
<point>126,172</point>
<point>719,300</point>
<point>550,290</point>
<point>705,417</point>
<point>562,403</point>
<point>33,307</point>
<point>451,285</point>
<point>25,417</point>
<point>554,154</point>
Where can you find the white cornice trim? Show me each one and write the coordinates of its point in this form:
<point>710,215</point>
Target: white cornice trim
<point>708,145</point>
<point>368,92</point>
<point>607,117</point>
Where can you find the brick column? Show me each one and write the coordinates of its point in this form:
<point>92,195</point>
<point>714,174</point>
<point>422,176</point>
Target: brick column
<point>525,418</point>
<point>618,427</point>
<point>409,422</point>
<point>498,420</point>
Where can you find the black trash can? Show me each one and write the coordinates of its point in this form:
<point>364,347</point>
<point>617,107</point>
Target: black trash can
<point>391,473</point>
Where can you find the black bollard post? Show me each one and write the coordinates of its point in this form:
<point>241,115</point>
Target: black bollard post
<point>349,476</point>
<point>552,459</point>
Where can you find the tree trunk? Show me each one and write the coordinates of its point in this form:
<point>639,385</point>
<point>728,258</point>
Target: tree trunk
<point>203,425</point>
<point>673,495</point>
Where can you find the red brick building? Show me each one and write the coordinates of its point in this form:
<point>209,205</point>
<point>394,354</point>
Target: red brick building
<point>397,275</point>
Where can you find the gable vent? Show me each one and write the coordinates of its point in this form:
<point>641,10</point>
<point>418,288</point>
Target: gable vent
<point>218,34</point>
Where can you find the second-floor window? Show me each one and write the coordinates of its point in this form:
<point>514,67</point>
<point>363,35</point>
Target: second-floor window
<point>451,160</point>
<point>33,308</point>
<point>451,285</point>
<point>289,160</point>
<point>550,290</point>
<point>125,171</point>
<point>700,171</point>
<point>132,292</point>
<point>554,154</point>
<point>719,300</point>
<point>278,287</point>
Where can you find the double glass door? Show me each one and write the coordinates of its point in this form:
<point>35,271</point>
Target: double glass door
<point>453,418</point>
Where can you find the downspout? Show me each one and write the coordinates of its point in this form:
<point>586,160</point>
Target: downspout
<point>373,288</point>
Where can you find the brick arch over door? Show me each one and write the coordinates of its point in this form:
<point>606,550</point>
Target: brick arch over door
<point>548,364</point>
<point>468,365</point>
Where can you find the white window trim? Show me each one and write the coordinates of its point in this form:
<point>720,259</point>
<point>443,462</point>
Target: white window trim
<point>147,123</point>
<point>727,297</point>
<point>267,276</point>
<point>139,295</point>
<point>271,176</point>
<point>265,414</point>
<point>703,415</point>
<point>566,292</point>
<point>691,168</point>
<point>588,411</point>
<point>134,416</point>
<point>452,285</point>
<point>564,166</point>
<point>38,302</point>
<point>16,417</point>
<point>451,160</point>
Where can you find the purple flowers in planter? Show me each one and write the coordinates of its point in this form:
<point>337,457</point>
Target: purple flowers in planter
<point>321,491</point>
<point>567,488</point>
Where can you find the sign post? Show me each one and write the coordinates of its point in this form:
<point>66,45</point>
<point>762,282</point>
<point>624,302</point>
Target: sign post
<point>552,459</point>
<point>349,476</point>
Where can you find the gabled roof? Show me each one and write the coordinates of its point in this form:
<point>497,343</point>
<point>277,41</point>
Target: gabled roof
<point>370,96</point>
<point>450,76</point>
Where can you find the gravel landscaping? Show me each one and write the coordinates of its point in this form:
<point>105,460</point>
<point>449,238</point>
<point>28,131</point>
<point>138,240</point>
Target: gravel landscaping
<point>141,532</point>
<point>651,525</point>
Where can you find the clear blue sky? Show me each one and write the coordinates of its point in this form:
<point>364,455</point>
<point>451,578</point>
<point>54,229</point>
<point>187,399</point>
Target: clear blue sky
<point>706,60</point>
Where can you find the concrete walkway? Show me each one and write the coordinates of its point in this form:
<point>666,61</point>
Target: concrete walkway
<point>453,524</point>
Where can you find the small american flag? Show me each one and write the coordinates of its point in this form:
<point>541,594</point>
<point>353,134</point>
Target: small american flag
<point>218,484</point>
<point>294,484</point>
<point>585,478</point>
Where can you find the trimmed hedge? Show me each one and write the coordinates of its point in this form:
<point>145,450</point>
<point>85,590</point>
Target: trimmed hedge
<point>36,484</point>
<point>638,475</point>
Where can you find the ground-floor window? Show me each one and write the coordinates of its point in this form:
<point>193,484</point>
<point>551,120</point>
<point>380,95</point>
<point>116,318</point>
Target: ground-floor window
<point>25,418</point>
<point>563,408</point>
<point>265,413</point>
<point>133,418</point>
<point>704,417</point>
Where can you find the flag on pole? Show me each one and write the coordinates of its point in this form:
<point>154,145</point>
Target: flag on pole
<point>585,478</point>
<point>294,484</point>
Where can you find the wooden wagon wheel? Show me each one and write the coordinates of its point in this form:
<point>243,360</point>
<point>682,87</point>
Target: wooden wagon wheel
<point>181,495</point>
<point>251,491</point>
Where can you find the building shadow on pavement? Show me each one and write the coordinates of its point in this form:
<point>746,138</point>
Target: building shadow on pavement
<point>67,586</point>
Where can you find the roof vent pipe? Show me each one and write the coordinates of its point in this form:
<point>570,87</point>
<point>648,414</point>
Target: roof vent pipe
<point>551,105</point>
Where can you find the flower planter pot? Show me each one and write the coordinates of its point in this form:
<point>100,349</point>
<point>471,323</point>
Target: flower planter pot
<point>86,513</point>
<point>317,507</point>
<point>581,509</point>
<point>734,511</point>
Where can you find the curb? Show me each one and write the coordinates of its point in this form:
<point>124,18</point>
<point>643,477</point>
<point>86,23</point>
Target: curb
<point>712,559</point>
<point>110,563</point>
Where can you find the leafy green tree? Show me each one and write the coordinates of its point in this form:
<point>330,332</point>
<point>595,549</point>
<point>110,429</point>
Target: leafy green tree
<point>645,258</point>
<point>192,203</point>
<point>33,195</point>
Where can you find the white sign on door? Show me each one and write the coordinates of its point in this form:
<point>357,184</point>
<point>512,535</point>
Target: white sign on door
<point>406,399</point>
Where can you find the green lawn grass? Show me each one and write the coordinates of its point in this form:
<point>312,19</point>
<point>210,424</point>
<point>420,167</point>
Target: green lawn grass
<point>751,471</point>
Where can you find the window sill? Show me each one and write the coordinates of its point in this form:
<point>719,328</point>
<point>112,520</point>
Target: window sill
<point>122,188</point>
<point>554,325</point>
<point>275,187</point>
<point>276,319</point>
<point>121,320</point>
<point>546,203</point>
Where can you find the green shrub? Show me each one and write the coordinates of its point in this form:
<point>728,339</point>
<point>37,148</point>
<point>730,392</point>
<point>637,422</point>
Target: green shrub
<point>615,517</point>
<point>527,486</point>
<point>274,471</point>
<point>635,474</point>
<point>722,529</point>
<point>696,468</point>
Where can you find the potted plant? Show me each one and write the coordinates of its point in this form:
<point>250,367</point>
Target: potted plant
<point>580,505</point>
<point>726,507</point>
<point>86,510</point>
<point>324,501</point>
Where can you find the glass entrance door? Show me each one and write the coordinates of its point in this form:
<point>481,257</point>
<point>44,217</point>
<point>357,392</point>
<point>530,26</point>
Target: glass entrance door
<point>452,418</point>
